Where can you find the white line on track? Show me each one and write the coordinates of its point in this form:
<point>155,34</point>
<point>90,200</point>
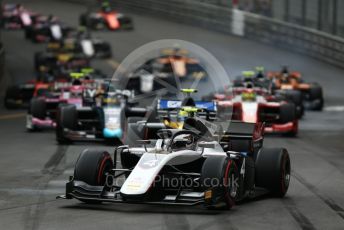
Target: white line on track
<point>336,108</point>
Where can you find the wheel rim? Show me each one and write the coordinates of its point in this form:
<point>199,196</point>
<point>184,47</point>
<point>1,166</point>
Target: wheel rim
<point>232,188</point>
<point>105,167</point>
<point>286,173</point>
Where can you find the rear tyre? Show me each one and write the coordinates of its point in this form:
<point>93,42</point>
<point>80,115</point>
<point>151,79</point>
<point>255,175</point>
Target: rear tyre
<point>287,113</point>
<point>296,97</point>
<point>316,94</point>
<point>83,20</point>
<point>91,168</point>
<point>38,108</point>
<point>273,170</point>
<point>218,178</point>
<point>66,118</point>
<point>11,94</point>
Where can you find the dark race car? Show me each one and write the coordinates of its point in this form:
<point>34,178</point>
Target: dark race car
<point>105,18</point>
<point>169,114</point>
<point>47,28</point>
<point>286,81</point>
<point>212,168</point>
<point>19,96</point>
<point>102,120</point>
<point>79,42</point>
<point>55,64</point>
<point>15,16</point>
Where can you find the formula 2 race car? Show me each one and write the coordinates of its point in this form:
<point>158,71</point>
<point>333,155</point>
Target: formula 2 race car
<point>56,63</point>
<point>285,81</point>
<point>47,28</point>
<point>103,120</point>
<point>43,107</point>
<point>106,18</point>
<point>82,42</point>
<point>168,114</point>
<point>19,96</point>
<point>206,167</point>
<point>250,104</point>
<point>15,16</point>
<point>259,80</point>
<point>175,62</point>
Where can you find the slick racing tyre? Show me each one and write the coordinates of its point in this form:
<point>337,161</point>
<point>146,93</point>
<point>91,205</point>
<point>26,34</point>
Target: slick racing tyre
<point>103,50</point>
<point>83,20</point>
<point>91,168</point>
<point>287,113</point>
<point>295,97</point>
<point>11,94</point>
<point>316,95</point>
<point>273,170</point>
<point>38,108</point>
<point>218,178</point>
<point>66,118</point>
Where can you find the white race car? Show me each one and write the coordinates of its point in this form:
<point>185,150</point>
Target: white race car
<point>190,166</point>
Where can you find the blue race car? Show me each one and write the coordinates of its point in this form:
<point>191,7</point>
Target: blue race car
<point>103,120</point>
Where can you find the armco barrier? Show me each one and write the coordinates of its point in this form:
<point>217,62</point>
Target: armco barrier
<point>303,40</point>
<point>2,61</point>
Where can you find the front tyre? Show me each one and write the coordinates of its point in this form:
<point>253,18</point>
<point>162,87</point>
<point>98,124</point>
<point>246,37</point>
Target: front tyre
<point>219,177</point>
<point>92,167</point>
<point>273,170</point>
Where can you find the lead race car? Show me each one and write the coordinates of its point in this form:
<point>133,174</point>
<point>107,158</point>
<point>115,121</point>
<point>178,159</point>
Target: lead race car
<point>207,166</point>
<point>106,18</point>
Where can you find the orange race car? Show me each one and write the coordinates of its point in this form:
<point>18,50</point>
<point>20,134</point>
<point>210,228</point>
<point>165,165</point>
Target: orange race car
<point>286,80</point>
<point>105,18</point>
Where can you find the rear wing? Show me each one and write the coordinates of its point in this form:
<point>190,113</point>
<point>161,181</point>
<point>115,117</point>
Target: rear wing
<point>244,130</point>
<point>176,104</point>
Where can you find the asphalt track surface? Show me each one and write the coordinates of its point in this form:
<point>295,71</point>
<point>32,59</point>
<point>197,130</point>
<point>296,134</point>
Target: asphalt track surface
<point>34,169</point>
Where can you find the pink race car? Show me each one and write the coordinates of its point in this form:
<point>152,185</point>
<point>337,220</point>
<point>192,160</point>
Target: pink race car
<point>43,107</point>
<point>15,16</point>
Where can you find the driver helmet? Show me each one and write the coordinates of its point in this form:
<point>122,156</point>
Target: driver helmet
<point>260,72</point>
<point>106,7</point>
<point>248,95</point>
<point>19,7</point>
<point>76,91</point>
<point>285,77</point>
<point>285,70</point>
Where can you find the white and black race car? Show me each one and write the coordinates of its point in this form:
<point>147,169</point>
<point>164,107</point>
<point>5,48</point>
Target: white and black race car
<point>190,166</point>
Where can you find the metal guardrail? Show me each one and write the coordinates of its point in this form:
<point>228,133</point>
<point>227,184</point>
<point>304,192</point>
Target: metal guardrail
<point>319,45</point>
<point>2,61</point>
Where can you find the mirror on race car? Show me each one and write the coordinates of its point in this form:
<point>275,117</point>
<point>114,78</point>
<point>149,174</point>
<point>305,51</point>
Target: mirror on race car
<point>206,145</point>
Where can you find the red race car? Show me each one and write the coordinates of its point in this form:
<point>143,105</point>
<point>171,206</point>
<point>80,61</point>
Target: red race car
<point>254,104</point>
